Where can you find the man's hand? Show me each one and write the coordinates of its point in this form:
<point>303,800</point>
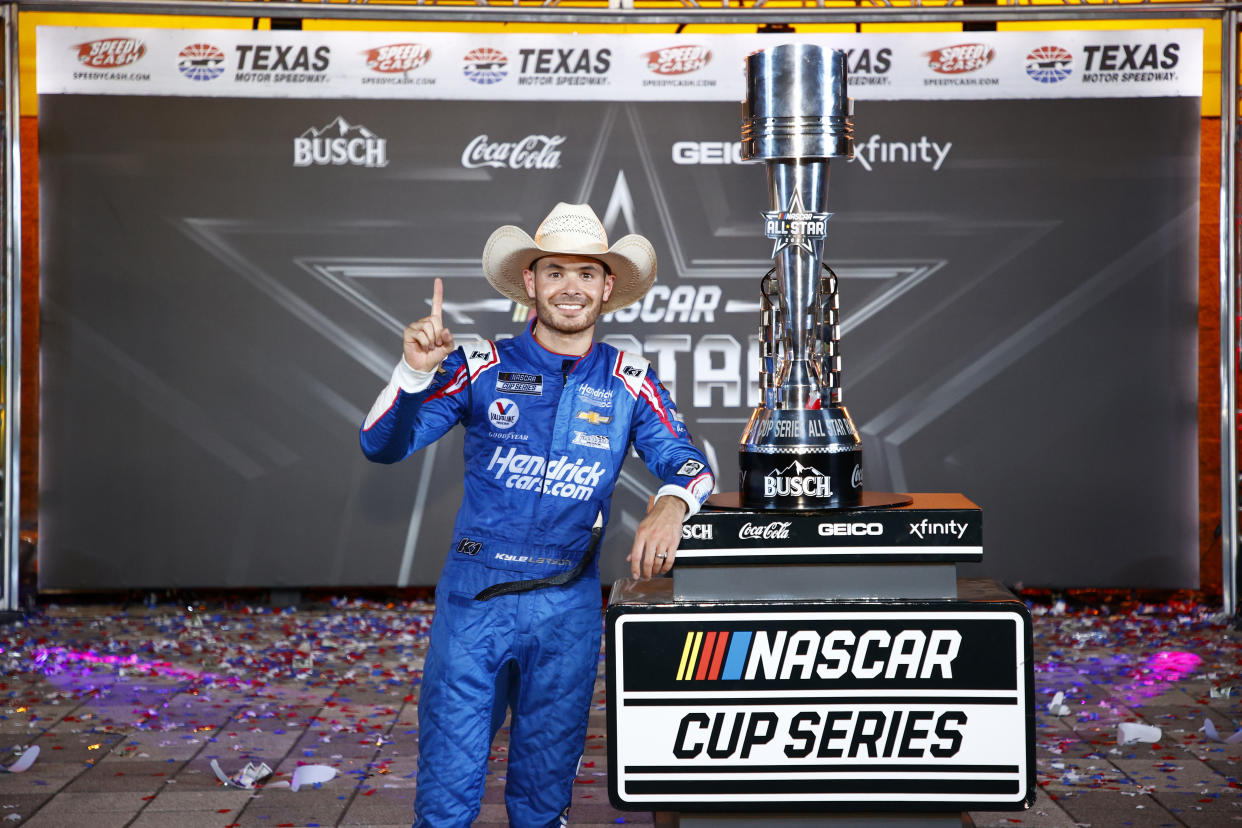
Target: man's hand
<point>655,542</point>
<point>427,342</point>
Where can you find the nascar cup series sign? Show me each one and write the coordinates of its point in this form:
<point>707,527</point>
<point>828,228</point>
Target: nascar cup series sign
<point>810,707</point>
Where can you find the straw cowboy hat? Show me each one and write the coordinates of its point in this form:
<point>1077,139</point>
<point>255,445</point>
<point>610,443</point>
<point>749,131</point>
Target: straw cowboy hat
<point>570,229</point>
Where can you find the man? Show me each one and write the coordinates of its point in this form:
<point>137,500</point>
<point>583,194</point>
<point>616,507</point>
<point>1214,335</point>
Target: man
<point>549,416</point>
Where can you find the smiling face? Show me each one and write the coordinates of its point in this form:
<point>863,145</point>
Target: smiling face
<point>569,293</point>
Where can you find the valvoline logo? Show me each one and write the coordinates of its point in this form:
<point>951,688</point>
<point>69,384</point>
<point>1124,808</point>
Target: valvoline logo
<point>503,413</point>
<point>964,57</point>
<point>678,60</point>
<point>397,57</point>
<point>111,52</point>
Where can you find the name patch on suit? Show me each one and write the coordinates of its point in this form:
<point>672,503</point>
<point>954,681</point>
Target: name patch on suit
<point>511,382</point>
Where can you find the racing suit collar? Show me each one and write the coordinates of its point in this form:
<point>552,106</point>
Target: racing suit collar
<point>548,360</point>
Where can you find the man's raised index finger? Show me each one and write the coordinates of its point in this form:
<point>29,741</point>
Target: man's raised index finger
<point>437,298</point>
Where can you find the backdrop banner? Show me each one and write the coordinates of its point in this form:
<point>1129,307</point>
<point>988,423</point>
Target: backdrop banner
<point>237,225</point>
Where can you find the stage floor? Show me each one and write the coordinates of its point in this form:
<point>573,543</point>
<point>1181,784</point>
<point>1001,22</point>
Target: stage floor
<point>130,705</point>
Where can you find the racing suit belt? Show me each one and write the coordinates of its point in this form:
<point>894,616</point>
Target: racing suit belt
<point>510,587</point>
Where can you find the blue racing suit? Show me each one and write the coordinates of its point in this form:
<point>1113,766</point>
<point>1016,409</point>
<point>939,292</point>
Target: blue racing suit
<point>546,435</point>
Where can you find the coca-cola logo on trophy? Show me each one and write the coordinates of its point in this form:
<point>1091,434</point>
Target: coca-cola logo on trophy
<point>776,530</point>
<point>534,152</point>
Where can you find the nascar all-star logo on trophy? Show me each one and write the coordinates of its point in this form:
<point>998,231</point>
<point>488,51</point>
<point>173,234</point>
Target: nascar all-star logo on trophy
<point>800,449</point>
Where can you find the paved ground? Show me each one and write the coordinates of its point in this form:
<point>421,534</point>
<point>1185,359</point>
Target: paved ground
<point>130,705</point>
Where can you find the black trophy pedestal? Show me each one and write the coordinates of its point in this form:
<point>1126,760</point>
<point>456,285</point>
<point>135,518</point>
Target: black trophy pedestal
<point>821,669</point>
<point>894,546</point>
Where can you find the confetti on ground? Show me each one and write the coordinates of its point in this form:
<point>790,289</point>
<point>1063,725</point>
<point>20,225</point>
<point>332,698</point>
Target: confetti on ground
<point>143,700</point>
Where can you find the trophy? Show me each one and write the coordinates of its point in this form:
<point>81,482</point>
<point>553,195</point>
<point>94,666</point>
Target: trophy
<point>800,449</point>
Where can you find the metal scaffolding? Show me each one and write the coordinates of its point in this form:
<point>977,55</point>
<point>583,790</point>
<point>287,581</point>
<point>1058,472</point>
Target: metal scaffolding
<point>758,13</point>
<point>11,316</point>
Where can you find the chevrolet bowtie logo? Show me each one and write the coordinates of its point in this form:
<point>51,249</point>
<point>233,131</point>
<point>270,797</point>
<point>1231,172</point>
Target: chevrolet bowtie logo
<point>594,418</point>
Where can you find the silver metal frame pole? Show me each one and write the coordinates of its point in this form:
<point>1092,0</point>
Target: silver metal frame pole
<point>12,310</point>
<point>1228,310</point>
<point>1228,13</point>
<point>688,16</point>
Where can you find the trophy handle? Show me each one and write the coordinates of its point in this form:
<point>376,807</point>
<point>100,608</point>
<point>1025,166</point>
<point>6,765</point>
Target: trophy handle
<point>830,335</point>
<point>771,343</point>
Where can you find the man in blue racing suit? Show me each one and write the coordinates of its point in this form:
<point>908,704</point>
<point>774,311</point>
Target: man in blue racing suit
<point>549,417</point>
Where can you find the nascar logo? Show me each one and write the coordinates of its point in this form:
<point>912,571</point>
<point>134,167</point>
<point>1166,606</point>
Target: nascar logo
<point>704,662</point>
<point>722,655</point>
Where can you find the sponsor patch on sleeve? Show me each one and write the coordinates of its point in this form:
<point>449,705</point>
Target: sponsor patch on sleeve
<point>690,468</point>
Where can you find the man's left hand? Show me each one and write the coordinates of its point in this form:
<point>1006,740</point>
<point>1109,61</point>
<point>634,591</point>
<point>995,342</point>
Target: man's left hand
<point>655,542</point>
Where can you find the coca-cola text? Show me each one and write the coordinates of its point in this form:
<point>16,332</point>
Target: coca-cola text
<point>534,152</point>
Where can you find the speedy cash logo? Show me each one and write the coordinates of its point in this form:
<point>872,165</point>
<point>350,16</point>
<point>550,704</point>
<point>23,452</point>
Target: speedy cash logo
<point>964,57</point>
<point>110,52</point>
<point>397,58</point>
<point>678,60</point>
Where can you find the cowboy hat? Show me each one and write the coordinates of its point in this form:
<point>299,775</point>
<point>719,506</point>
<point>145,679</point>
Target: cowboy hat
<point>569,230</point>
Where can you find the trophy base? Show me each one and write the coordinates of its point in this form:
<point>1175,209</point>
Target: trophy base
<point>801,459</point>
<point>732,502</point>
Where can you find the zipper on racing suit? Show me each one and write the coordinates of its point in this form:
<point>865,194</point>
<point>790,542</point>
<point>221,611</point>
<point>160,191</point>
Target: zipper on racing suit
<point>597,531</point>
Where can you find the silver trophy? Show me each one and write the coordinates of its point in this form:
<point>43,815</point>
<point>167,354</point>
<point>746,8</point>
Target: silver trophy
<point>800,449</point>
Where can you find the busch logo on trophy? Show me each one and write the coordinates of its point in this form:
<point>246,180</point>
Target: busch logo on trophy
<point>797,480</point>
